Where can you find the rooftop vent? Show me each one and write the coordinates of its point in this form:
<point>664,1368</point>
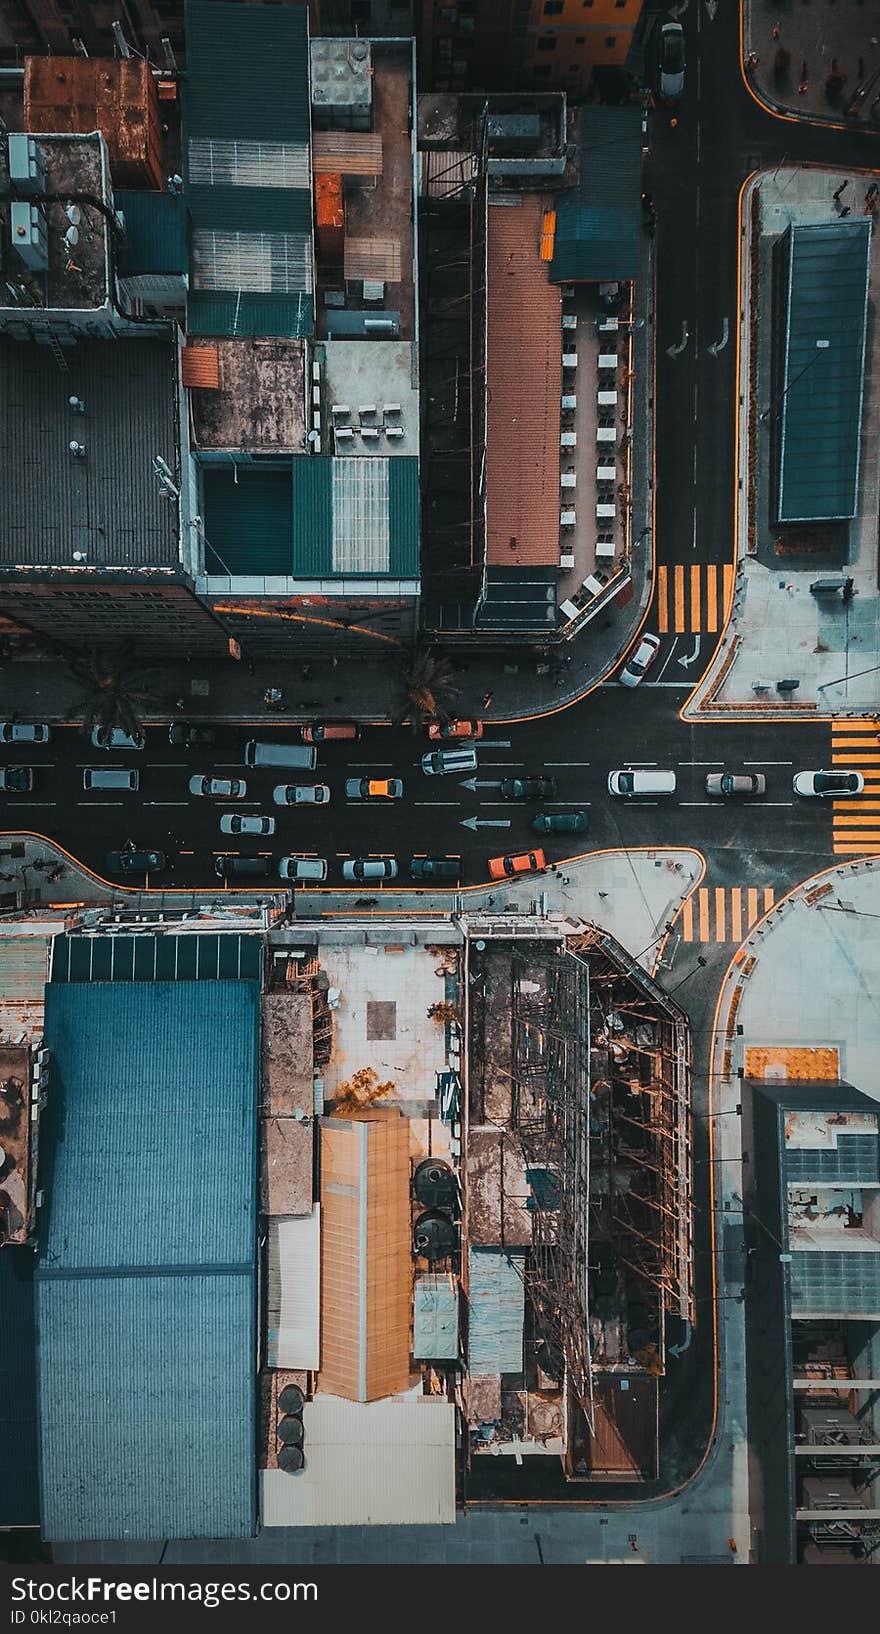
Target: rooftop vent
<point>434,1236</point>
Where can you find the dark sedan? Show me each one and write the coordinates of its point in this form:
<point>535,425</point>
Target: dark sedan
<point>559,822</point>
<point>131,861</point>
<point>528,788</point>
<point>183,735</point>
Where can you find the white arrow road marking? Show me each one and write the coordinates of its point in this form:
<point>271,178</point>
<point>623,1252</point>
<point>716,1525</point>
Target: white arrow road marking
<point>474,783</point>
<point>719,345</point>
<point>674,351</point>
<point>679,11</point>
<point>691,658</point>
<point>711,7</point>
<point>485,822</point>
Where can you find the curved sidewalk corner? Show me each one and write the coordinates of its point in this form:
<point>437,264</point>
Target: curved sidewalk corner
<point>776,630</point>
<point>788,50</point>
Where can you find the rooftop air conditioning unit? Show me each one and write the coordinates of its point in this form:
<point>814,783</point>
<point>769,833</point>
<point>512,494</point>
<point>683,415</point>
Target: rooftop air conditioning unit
<point>29,236</point>
<point>27,167</point>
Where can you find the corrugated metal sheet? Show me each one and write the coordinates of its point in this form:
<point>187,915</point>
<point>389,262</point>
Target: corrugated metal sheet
<point>353,153</point>
<point>313,518</point>
<point>108,504</point>
<point>598,223</point>
<point>819,417</point>
<point>146,1277</point>
<point>23,968</point>
<point>435,1318</point>
<point>19,1495</point>
<point>249,519</point>
<point>496,1295</point>
<point>203,957</point>
<point>525,386</point>
<point>116,96</point>
<point>385,1463</point>
<point>228,314</point>
<point>839,1282</point>
<point>200,367</point>
<point>250,209</point>
<point>293,1299</point>
<point>247,71</point>
<point>155,232</point>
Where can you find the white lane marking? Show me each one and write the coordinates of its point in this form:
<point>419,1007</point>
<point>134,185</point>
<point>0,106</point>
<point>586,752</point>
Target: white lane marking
<point>768,762</point>
<point>567,763</point>
<point>30,804</point>
<point>165,802</point>
<point>436,803</point>
<point>695,802</point>
<point>100,802</point>
<point>577,803</point>
<point>777,802</point>
<point>667,661</point>
<point>688,684</point>
<point>167,765</point>
<point>492,743</point>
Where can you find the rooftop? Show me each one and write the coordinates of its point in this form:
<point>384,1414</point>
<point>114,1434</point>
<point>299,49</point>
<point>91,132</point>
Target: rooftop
<point>19,1490</point>
<point>260,403</point>
<point>370,375</point>
<point>106,504</point>
<point>15,1077</point>
<point>599,222</point>
<point>287,1090</point>
<point>524,376</point>
<point>76,276</point>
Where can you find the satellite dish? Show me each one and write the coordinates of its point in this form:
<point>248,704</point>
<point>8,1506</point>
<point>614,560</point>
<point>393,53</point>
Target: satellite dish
<point>291,1399</point>
<point>73,214</point>
<point>71,237</point>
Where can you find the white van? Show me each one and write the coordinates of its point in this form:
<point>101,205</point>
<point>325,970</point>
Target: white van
<point>645,783</point>
<point>298,757</point>
<point>303,870</point>
<point>440,762</point>
<point>110,777</point>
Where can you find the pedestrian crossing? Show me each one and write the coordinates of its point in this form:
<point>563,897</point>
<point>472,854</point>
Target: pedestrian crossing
<point>855,747</point>
<point>724,913</point>
<point>692,597</point>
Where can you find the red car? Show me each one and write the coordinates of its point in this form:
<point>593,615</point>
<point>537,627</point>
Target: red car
<point>455,729</point>
<point>528,862</point>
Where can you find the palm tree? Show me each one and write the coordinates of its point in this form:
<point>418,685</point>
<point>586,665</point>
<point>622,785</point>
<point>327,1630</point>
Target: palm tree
<point>113,692</point>
<point>429,688</point>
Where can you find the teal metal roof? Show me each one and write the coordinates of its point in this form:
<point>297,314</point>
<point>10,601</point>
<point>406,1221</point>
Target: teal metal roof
<point>248,209</point>
<point>818,421</point>
<point>248,521</point>
<point>228,314</point>
<point>155,232</point>
<point>598,223</point>
<point>156,958</point>
<point>248,71</point>
<point>318,523</point>
<point>19,1494</point>
<point>146,1281</point>
<point>835,1282</point>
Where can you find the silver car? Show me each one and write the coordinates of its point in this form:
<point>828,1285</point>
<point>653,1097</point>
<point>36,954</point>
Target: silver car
<point>359,869</point>
<point>228,788</point>
<point>828,785</point>
<point>731,784</point>
<point>301,794</point>
<point>671,81</point>
<point>113,737</point>
<point>233,822</point>
<point>23,732</point>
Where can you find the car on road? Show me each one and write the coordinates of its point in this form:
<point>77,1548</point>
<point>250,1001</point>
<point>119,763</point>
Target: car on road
<point>113,737</point>
<point>224,788</point>
<point>184,735</point>
<point>232,822</point>
<point>227,867</point>
<point>328,732</point>
<point>730,785</point>
<point>443,762</point>
<point>671,64</point>
<point>528,788</point>
<point>132,861</point>
<point>114,779</point>
<point>560,822</point>
<point>828,785</point>
<point>441,730</point>
<point>448,868</point>
<point>374,788</point>
<point>634,669</point>
<point>527,862</point>
<point>641,782</point>
<point>301,794</point>
<point>16,779</point>
<point>23,732</point>
<point>303,870</point>
<point>369,868</point>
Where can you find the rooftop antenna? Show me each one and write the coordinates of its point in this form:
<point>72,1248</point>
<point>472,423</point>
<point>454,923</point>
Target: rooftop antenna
<point>168,53</point>
<point>77,404</point>
<point>163,474</point>
<point>79,46</point>
<point>122,44</point>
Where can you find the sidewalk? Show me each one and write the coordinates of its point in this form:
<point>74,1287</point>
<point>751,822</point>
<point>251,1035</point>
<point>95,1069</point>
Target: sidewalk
<point>777,629</point>
<point>814,59</point>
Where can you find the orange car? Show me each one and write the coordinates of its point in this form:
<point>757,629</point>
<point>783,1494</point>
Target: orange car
<point>528,862</point>
<point>455,729</point>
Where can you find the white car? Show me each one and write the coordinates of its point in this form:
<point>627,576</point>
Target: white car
<point>23,732</point>
<point>303,870</point>
<point>115,738</point>
<point>828,785</point>
<point>228,788</point>
<point>233,823</point>
<point>634,668</point>
<point>301,794</point>
<point>368,868</point>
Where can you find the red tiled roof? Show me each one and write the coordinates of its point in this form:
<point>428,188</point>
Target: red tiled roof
<point>525,386</point>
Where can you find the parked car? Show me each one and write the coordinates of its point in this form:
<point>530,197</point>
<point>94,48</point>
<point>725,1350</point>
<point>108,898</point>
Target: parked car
<point>641,660</point>
<point>16,779</point>
<point>227,867</point>
<point>729,785</point>
<point>303,870</point>
<point>301,794</point>
<point>560,822</point>
<point>527,862</point>
<point>671,66</point>
<point>442,762</point>
<point>328,732</point>
<point>224,788</point>
<point>184,735</point>
<point>641,782</point>
<point>113,778</point>
<point>455,729</point>
<point>113,737</point>
<point>448,868</point>
<point>233,823</point>
<point>528,788</point>
<point>132,861</point>
<point>374,788</point>
<point>828,784</point>
<point>369,868</point>
<point>23,732</point>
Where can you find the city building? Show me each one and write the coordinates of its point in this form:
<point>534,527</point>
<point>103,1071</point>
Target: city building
<point>494,44</point>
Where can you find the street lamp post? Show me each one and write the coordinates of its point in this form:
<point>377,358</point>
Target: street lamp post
<point>821,346</point>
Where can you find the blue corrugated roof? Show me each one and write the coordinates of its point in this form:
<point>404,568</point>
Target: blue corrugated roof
<point>230,314</point>
<point>496,1292</point>
<point>249,518</point>
<point>435,1318</point>
<point>155,232</point>
<point>247,71</point>
<point>598,223</point>
<point>819,415</point>
<point>313,517</point>
<point>146,1277</point>
<point>19,1494</point>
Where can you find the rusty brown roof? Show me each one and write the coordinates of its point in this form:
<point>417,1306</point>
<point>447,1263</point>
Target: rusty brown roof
<point>525,386</point>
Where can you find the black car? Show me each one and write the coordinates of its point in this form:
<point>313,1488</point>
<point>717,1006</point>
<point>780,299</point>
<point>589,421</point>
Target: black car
<point>182,734</point>
<point>16,779</point>
<point>560,822</point>
<point>231,867</point>
<point>528,788</point>
<point>131,861</point>
<point>448,868</point>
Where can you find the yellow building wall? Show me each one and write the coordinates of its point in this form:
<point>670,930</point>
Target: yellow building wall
<point>572,37</point>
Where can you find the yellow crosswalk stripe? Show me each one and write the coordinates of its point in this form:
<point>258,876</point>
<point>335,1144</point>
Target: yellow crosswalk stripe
<point>848,821</point>
<point>858,723</point>
<point>735,914</point>
<point>703,906</point>
<point>695,597</point>
<point>852,757</point>
<point>662,609</point>
<point>865,850</point>
<point>678,572</point>
<point>856,805</point>
<point>687,920</point>
<point>720,924</point>
<point>728,584</point>
<point>719,913</point>
<point>848,743</point>
<point>711,598</point>
<point>752,906</point>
